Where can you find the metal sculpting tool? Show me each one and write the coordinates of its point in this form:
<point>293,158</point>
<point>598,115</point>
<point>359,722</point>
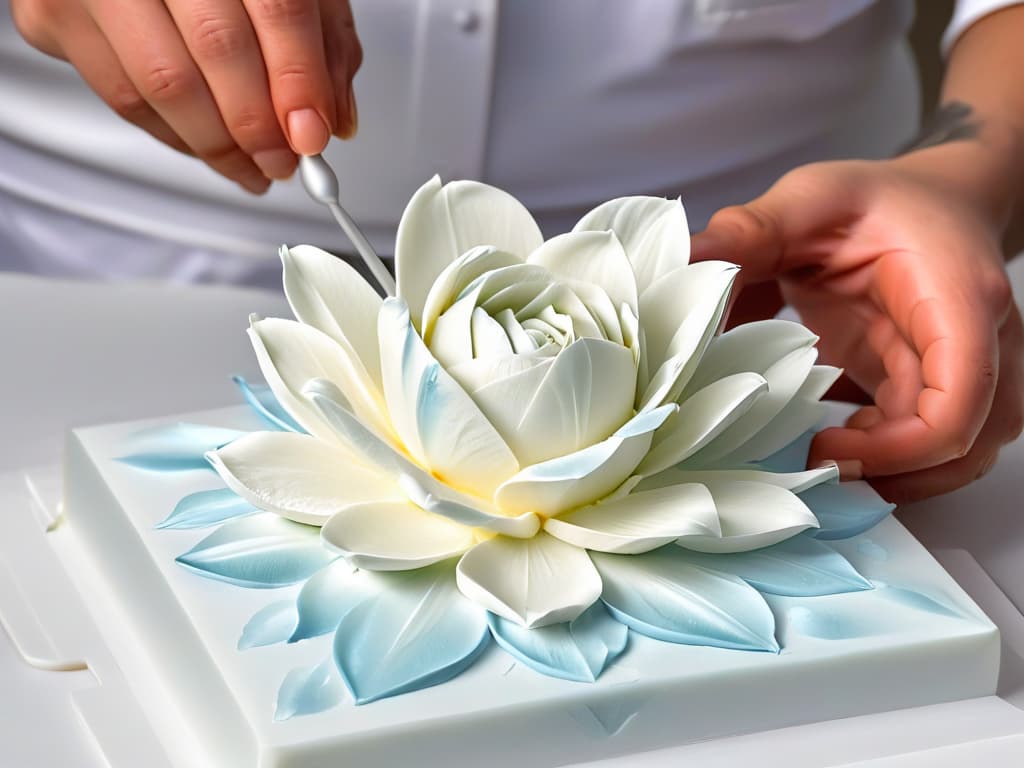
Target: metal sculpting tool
<point>321,184</point>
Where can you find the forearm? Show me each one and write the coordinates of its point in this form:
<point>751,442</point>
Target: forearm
<point>973,145</point>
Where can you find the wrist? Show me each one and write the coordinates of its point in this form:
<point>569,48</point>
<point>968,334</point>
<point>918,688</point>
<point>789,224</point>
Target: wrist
<point>983,168</point>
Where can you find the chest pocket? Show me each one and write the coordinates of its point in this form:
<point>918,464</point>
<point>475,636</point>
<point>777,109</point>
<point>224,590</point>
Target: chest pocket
<point>749,21</point>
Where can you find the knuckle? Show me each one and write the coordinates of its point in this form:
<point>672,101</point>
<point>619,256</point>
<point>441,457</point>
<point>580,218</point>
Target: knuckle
<point>292,71</point>
<point>223,155</point>
<point>215,38</point>
<point>283,12</point>
<point>355,56</point>
<point>126,101</point>
<point>999,291</point>
<point>250,124</point>
<point>167,82</point>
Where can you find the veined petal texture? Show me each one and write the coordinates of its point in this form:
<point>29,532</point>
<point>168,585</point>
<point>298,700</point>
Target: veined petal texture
<point>205,508</point>
<point>661,595</point>
<point>533,582</point>
<point>308,690</point>
<point>846,509</point>
<point>416,632</point>
<point>797,567</point>
<point>263,551</point>
<point>175,447</point>
<point>578,650</point>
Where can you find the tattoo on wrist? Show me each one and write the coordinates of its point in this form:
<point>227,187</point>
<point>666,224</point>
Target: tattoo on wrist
<point>952,121</point>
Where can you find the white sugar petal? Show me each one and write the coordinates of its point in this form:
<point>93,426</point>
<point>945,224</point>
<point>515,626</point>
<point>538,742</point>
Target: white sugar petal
<point>752,515</point>
<point>595,258</point>
<point>393,536</point>
<point>297,476</point>
<point>585,396</point>
<point>513,385</point>
<point>533,582</point>
<point>456,276</point>
<point>452,340</point>
<point>639,522</point>
<point>489,338</point>
<point>442,223</point>
<point>583,477</point>
<point>700,418</point>
<point>653,232</point>
<point>750,347</point>
<point>437,421</point>
<point>802,413</point>
<point>291,353</point>
<point>329,294</point>
<point>694,290</point>
<point>797,482</point>
<point>784,380</point>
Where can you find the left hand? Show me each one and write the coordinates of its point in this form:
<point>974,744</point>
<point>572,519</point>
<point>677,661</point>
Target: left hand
<point>901,275</point>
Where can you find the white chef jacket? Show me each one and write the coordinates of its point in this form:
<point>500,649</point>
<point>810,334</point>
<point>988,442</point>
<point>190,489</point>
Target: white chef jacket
<point>565,104</point>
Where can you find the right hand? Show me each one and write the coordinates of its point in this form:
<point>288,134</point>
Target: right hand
<point>244,85</point>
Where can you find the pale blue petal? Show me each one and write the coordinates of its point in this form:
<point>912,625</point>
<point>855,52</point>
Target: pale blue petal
<point>417,632</point>
<point>325,599</point>
<point>846,509</point>
<point>797,567</point>
<point>661,595</point>
<point>308,690</point>
<point>262,551</point>
<point>261,399</point>
<point>205,508</point>
<point>175,447</point>
<point>792,458</point>
<point>940,606</point>
<point>273,624</point>
<point>578,650</point>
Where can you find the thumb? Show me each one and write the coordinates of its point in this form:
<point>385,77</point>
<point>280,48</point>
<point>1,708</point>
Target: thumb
<point>765,236</point>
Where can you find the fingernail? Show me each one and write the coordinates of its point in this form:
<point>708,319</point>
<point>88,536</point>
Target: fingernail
<point>307,131</point>
<point>276,163</point>
<point>850,469</point>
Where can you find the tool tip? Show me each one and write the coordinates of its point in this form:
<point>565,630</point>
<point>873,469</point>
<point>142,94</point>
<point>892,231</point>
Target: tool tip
<point>318,179</point>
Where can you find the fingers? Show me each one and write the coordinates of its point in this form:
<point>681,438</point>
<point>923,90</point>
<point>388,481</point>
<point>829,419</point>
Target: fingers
<point>764,235</point>
<point>223,44</point>
<point>291,38</point>
<point>155,57</point>
<point>1004,424</point>
<point>344,57</point>
<point>959,362</point>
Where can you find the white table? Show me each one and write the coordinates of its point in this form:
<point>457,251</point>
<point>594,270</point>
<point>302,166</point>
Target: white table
<point>62,344</point>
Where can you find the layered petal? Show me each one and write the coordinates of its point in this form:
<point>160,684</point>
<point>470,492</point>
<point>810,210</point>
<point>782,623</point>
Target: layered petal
<point>329,294</point>
<point>579,478</point>
<point>298,476</point>
<point>796,482</point>
<point>593,258</point>
<point>443,222</point>
<point>533,582</point>
<point>291,353</point>
<point>639,522</point>
<point>437,421</point>
<point>454,278</point>
<point>653,232</point>
<point>701,418</point>
<point>393,536</point>
<point>752,515</point>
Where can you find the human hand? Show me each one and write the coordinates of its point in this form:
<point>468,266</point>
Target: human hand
<point>900,273</point>
<point>245,85</point>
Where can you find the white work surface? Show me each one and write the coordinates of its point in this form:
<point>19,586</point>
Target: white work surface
<point>76,354</point>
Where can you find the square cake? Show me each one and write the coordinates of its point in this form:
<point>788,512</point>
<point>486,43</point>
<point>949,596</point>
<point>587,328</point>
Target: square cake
<point>532,508</point>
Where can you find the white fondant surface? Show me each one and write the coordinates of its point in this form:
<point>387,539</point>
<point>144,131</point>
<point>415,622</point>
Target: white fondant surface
<point>499,712</point>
